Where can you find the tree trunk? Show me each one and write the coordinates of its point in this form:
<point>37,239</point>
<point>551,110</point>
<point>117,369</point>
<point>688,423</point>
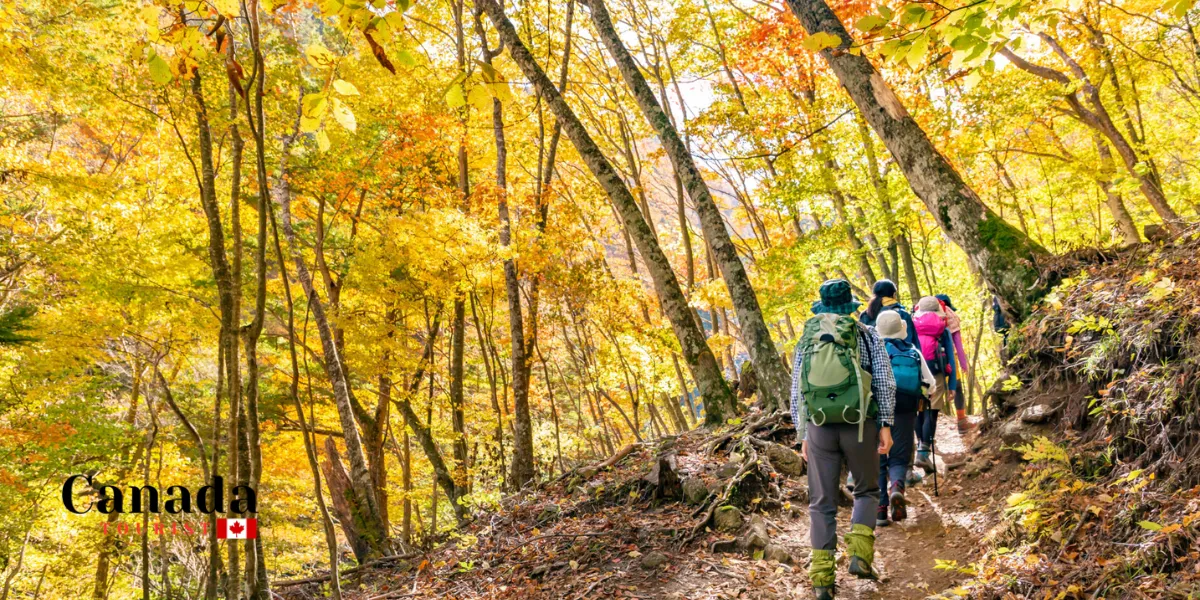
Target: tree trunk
<point>674,304</point>
<point>341,490</point>
<point>491,375</point>
<point>442,474</point>
<point>1099,119</point>
<point>310,444</point>
<point>222,273</point>
<point>1116,206</point>
<point>910,269</point>
<point>828,168</point>
<point>523,462</point>
<point>1007,258</point>
<point>367,512</point>
<point>256,572</point>
<point>757,337</point>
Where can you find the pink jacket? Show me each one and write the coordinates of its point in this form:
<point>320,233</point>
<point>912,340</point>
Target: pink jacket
<point>930,327</point>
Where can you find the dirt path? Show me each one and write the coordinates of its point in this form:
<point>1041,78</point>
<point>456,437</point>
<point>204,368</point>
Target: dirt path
<point>601,551</point>
<point>938,527</point>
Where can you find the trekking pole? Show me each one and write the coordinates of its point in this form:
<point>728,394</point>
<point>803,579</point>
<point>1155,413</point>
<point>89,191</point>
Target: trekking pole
<point>933,459</point>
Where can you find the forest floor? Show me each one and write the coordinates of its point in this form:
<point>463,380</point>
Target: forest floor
<point>583,541</point>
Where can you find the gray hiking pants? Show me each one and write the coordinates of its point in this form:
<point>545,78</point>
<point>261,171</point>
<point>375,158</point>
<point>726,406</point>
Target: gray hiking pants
<point>828,446</point>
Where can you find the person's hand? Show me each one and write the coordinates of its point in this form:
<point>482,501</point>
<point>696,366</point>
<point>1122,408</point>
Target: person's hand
<point>885,440</point>
<point>804,449</point>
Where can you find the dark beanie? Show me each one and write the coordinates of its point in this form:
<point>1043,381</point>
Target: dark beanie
<point>884,288</point>
<point>946,300</point>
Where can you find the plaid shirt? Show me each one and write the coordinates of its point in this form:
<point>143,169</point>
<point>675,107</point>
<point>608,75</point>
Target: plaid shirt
<point>883,383</point>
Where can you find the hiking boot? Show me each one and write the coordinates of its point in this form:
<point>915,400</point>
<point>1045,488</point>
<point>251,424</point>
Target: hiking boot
<point>897,501</point>
<point>823,593</point>
<point>881,517</point>
<point>925,460</point>
<point>860,546</point>
<point>965,426</point>
<point>861,569</point>
<point>915,476</point>
<point>822,571</point>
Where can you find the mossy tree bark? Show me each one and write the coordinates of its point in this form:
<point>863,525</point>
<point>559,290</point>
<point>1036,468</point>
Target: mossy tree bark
<point>1007,258</point>
<point>775,383</point>
<point>718,398</point>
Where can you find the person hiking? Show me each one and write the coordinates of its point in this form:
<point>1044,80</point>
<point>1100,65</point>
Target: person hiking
<point>913,378</point>
<point>884,299</point>
<point>842,402</point>
<point>959,376</point>
<point>1000,326</point>
<point>936,348</point>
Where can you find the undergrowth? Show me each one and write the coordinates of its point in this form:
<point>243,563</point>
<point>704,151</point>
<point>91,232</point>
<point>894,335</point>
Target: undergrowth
<point>1109,508</point>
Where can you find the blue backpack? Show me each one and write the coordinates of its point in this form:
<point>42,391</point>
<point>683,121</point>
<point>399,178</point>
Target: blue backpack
<point>906,368</point>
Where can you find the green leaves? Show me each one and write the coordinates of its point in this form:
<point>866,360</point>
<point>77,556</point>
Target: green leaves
<point>1179,8</point>
<point>869,23</point>
<point>916,15</point>
<point>1149,525</point>
<point>160,71</point>
<point>820,41</point>
<point>918,50</point>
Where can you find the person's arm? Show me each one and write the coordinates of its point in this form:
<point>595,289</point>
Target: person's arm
<point>883,382</point>
<point>799,412</point>
<point>962,354</point>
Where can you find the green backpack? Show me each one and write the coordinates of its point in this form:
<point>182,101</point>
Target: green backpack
<point>835,386</point>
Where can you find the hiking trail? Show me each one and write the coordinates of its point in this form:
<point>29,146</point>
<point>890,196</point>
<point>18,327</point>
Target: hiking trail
<point>587,543</point>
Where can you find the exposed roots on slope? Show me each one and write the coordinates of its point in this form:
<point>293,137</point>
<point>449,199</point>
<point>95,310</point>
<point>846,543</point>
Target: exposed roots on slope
<point>1108,367</point>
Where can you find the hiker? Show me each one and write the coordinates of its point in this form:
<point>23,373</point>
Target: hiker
<point>1000,326</point>
<point>913,378</point>
<point>884,298</point>
<point>954,326</point>
<point>936,348</point>
<point>843,399</point>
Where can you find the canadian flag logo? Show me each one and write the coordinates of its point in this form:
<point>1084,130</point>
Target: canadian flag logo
<point>237,529</point>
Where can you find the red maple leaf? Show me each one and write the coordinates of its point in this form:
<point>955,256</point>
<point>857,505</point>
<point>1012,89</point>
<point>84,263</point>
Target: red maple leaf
<point>236,528</point>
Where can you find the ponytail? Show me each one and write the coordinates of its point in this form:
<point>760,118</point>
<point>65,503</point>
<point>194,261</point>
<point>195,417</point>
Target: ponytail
<point>874,307</point>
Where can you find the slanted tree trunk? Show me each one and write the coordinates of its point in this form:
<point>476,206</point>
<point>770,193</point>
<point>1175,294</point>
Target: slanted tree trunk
<point>364,504</point>
<point>441,471</point>
<point>310,444</point>
<point>674,304</point>
<point>1007,259</point>
<point>829,179</point>
<point>1099,119</point>
<point>1116,206</point>
<point>757,337</point>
